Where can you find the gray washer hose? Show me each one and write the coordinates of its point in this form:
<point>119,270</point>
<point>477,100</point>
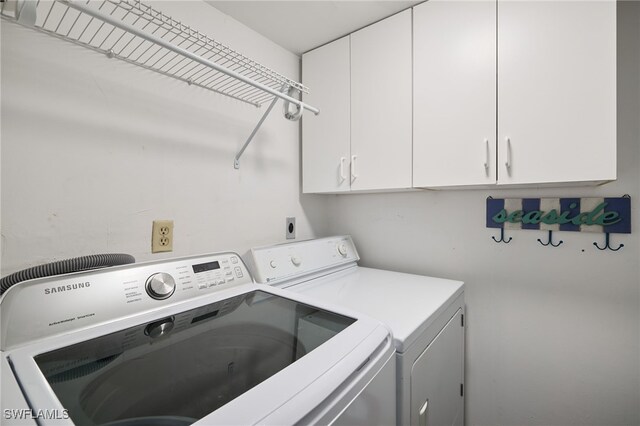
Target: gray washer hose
<point>66,266</point>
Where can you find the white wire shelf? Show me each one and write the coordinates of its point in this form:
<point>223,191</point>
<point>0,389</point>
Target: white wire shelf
<point>138,34</point>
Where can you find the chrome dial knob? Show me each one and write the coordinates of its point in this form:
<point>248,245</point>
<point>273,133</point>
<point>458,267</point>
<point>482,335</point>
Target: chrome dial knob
<point>160,286</point>
<point>159,328</point>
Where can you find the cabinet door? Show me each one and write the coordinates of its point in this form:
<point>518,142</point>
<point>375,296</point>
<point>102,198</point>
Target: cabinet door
<point>454,115</point>
<point>437,376</point>
<point>556,91</point>
<point>326,137</point>
<point>381,104</point>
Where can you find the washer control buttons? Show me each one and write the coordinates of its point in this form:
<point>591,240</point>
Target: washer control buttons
<point>342,249</point>
<point>238,272</point>
<point>234,259</point>
<point>160,286</point>
<point>273,264</point>
<point>296,260</point>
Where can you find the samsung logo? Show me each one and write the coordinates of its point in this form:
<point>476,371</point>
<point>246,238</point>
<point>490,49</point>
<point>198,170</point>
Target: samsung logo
<point>67,287</point>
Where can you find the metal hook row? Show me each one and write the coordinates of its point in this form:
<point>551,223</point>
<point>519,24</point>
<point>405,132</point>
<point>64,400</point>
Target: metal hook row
<point>550,242</point>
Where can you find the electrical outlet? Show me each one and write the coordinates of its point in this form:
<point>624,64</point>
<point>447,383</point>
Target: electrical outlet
<point>162,236</point>
<point>290,231</point>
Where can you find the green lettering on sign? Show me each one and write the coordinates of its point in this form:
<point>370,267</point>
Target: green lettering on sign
<point>596,216</point>
<point>609,218</point>
<point>551,217</point>
<point>533,217</point>
<point>515,216</point>
<point>500,217</point>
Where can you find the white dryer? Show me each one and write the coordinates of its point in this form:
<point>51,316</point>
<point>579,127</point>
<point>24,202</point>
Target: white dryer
<point>187,341</point>
<point>425,314</point>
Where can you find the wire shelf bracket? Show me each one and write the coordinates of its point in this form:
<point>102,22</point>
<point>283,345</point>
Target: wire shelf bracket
<point>134,32</point>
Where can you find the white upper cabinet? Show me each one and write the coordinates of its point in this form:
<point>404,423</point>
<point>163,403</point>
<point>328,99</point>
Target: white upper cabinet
<point>556,91</point>
<point>549,71</point>
<point>454,111</point>
<point>463,94</point>
<point>326,137</point>
<point>381,95</point>
<point>361,141</point>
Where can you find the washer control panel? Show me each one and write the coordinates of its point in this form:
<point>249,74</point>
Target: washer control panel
<point>283,262</point>
<point>82,299</point>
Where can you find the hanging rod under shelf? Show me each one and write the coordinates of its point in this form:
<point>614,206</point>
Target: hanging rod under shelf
<point>136,33</point>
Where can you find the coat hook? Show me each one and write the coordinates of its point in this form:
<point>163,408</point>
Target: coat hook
<point>606,244</point>
<point>501,240</point>
<point>550,242</point>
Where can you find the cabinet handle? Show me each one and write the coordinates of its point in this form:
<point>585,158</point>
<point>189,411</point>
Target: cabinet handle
<point>423,413</point>
<point>342,176</point>
<point>354,175</point>
<point>508,162</point>
<point>486,158</point>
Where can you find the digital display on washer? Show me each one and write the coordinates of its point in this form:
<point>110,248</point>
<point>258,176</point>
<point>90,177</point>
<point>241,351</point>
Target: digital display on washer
<point>177,369</point>
<point>204,267</point>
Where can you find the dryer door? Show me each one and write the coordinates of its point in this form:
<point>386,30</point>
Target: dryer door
<point>437,377</point>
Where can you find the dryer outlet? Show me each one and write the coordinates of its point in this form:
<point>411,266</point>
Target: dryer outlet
<point>290,230</point>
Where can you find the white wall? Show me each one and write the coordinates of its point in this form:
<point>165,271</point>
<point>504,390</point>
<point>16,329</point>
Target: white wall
<point>553,334</point>
<point>94,149</point>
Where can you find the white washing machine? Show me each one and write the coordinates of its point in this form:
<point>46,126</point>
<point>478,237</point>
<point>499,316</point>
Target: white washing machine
<point>187,341</point>
<point>425,314</point>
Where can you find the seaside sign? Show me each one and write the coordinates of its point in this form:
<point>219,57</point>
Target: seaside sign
<point>609,215</point>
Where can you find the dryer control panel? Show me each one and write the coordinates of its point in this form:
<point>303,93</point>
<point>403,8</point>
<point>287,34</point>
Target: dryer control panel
<point>60,304</point>
<point>281,263</point>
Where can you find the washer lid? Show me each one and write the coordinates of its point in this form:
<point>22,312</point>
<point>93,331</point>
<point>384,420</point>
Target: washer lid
<point>237,358</point>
